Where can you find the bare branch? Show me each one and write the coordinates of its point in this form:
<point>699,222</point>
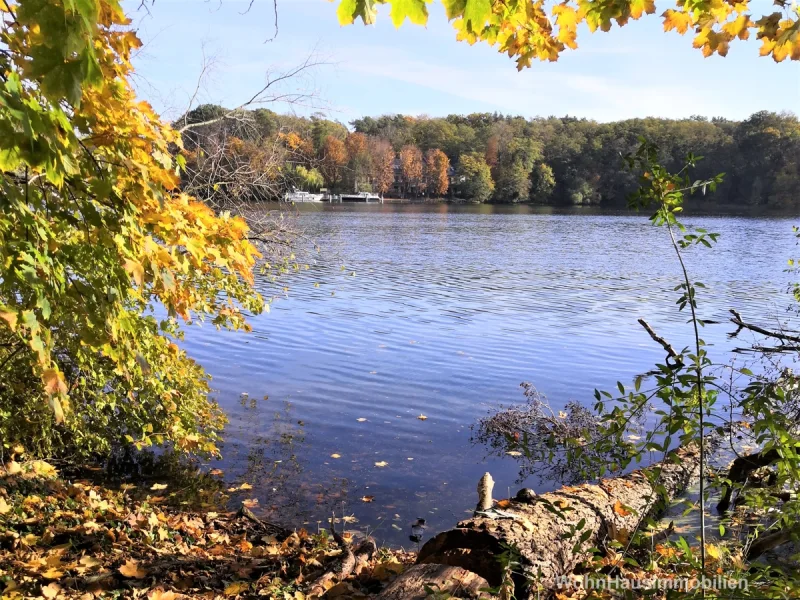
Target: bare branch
<point>661,341</point>
<point>262,96</point>
<point>737,320</point>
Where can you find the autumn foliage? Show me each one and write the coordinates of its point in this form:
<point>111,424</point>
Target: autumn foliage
<point>537,30</point>
<point>334,158</point>
<point>382,155</point>
<point>411,169</point>
<point>437,172</point>
<point>102,255</point>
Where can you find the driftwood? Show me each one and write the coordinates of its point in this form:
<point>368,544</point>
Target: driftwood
<point>740,471</point>
<point>741,324</point>
<point>349,562</point>
<point>539,527</point>
<point>772,540</point>
<point>662,342</point>
<point>280,533</point>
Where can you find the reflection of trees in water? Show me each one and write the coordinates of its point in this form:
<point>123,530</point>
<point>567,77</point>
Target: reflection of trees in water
<point>276,462</point>
<point>552,446</point>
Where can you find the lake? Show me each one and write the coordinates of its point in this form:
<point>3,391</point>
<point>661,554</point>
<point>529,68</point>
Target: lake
<point>441,312</point>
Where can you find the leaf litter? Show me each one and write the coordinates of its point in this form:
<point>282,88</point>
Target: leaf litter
<point>80,540</point>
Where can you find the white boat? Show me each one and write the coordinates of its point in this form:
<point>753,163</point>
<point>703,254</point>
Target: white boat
<point>365,197</point>
<point>300,196</point>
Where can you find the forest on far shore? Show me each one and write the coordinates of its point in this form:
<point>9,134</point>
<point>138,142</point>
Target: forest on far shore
<point>484,157</point>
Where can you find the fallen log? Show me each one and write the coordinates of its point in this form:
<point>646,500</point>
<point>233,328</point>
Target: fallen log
<point>419,581</point>
<point>554,532</point>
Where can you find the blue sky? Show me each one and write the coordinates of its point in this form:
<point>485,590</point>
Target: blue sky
<point>635,71</point>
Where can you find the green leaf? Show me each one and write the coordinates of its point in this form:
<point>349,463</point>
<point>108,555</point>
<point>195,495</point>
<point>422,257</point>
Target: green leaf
<point>454,8</point>
<point>476,13</point>
<point>349,10</point>
<point>414,10</point>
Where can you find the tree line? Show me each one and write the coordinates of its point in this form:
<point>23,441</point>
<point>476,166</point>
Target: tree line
<point>488,157</point>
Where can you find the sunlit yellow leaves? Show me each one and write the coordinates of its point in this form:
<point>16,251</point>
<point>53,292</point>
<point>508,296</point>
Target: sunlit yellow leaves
<point>779,38</point>
<point>136,270</point>
<point>523,30</point>
<point>642,7</point>
<point>567,19</point>
<point>739,27</point>
<point>476,13</point>
<point>678,20</point>
<point>415,11</point>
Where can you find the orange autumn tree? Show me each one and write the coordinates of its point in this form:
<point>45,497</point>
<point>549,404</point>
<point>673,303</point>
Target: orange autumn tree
<point>332,160</point>
<point>528,29</point>
<point>382,158</point>
<point>358,159</point>
<point>437,172</point>
<point>411,169</point>
<point>102,255</point>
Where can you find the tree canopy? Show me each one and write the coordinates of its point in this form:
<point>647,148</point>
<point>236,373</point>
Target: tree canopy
<point>527,30</point>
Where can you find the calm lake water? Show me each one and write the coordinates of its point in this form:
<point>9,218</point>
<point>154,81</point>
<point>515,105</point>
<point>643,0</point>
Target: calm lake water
<point>450,309</point>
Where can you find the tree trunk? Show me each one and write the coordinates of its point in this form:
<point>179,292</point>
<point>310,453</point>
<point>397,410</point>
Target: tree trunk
<point>544,529</point>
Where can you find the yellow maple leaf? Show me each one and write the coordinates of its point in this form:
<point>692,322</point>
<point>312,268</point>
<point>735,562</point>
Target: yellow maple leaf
<point>641,7</point>
<point>677,20</point>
